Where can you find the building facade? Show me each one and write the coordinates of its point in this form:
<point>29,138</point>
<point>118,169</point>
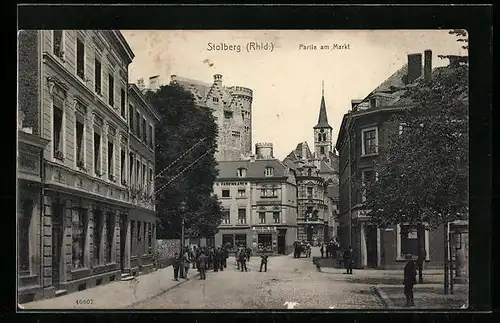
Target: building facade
<point>29,212</point>
<point>259,200</point>
<point>73,92</point>
<point>141,164</point>
<point>231,106</point>
<point>317,183</point>
<point>364,131</point>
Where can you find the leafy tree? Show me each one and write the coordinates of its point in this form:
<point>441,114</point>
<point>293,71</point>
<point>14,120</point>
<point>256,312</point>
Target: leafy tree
<point>182,126</point>
<point>422,175</point>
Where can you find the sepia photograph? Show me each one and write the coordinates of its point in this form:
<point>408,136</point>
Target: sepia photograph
<point>242,169</point>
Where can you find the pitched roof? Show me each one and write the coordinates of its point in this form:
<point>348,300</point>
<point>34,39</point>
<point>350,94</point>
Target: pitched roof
<point>395,81</point>
<point>323,118</point>
<point>198,88</point>
<point>255,169</point>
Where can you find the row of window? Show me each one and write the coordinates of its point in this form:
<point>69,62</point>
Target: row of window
<point>138,125</point>
<point>138,174</point>
<point>141,238</point>
<point>242,172</point>
<point>264,192</point>
<point>369,139</point>
<point>58,44</point>
<point>242,217</point>
<point>140,128</point>
<point>137,168</point>
<point>103,228</point>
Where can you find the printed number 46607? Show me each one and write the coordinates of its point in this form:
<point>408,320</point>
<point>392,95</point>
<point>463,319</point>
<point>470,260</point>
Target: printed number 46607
<point>84,301</point>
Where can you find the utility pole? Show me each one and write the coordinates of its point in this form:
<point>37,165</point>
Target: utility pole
<point>446,261</point>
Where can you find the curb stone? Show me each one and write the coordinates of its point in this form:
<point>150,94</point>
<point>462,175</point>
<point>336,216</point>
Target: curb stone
<point>386,301</point>
<point>163,291</point>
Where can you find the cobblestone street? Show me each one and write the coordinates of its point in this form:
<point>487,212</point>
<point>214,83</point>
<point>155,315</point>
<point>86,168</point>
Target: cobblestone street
<point>288,283</point>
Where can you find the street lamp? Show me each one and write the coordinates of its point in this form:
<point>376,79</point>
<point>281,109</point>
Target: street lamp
<point>182,210</point>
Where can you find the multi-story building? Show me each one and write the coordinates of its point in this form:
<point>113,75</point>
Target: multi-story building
<point>317,183</point>
<point>141,164</point>
<point>363,133</point>
<point>259,201</point>
<point>231,106</point>
<point>73,92</point>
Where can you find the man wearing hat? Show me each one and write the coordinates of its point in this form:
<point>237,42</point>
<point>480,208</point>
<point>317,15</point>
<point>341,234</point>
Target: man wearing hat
<point>410,272</point>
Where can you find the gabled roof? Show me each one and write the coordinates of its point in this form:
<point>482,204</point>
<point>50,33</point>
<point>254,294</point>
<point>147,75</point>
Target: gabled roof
<point>255,169</point>
<point>302,151</point>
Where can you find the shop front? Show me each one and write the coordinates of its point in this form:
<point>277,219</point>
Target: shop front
<point>29,217</point>
<point>233,238</point>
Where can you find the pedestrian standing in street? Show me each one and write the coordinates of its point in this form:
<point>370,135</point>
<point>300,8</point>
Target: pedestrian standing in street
<point>237,258</point>
<point>409,280</point>
<point>176,265</point>
<point>249,253</point>
<point>202,265</point>
<point>322,251</point>
<point>216,260</point>
<point>338,257</point>
<point>186,265</point>
<point>243,260</point>
<point>221,259</point>
<point>348,260</point>
<point>263,261</point>
<point>209,258</point>
<point>225,255</point>
<point>420,264</point>
<point>194,256</point>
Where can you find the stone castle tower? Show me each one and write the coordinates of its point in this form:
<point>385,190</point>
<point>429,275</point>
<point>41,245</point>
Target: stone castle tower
<point>323,133</point>
<point>232,109</point>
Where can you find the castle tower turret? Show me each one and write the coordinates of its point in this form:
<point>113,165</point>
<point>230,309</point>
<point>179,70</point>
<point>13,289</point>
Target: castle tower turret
<point>322,131</point>
<point>243,97</point>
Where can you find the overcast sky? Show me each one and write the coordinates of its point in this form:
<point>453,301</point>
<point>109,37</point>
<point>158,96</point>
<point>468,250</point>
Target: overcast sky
<point>286,82</point>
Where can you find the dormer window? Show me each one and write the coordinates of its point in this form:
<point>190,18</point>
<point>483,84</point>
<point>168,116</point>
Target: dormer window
<point>269,171</point>
<point>373,102</point>
<point>242,172</point>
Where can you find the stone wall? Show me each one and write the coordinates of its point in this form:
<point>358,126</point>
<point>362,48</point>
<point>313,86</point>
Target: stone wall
<point>166,250</point>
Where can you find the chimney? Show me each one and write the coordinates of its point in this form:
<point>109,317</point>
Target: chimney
<point>414,67</point>
<point>427,65</point>
<point>218,79</point>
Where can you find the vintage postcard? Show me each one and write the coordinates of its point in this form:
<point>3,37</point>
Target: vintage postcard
<point>242,169</point>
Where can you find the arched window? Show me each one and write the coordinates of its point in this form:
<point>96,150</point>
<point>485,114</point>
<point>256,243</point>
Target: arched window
<point>242,172</point>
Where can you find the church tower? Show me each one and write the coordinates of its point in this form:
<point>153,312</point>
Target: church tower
<point>322,132</point>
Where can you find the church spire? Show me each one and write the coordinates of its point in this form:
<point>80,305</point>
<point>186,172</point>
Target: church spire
<point>322,119</point>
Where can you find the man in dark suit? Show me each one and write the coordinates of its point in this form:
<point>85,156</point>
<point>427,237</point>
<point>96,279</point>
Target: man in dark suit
<point>263,261</point>
<point>409,280</point>
<point>176,265</point>
<point>348,260</point>
<point>225,255</point>
<point>202,265</point>
<point>243,259</point>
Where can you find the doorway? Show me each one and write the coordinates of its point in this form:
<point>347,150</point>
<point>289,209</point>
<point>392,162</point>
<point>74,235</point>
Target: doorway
<point>310,232</point>
<point>371,247</point>
<point>123,239</point>
<point>57,243</point>
<point>282,242</point>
